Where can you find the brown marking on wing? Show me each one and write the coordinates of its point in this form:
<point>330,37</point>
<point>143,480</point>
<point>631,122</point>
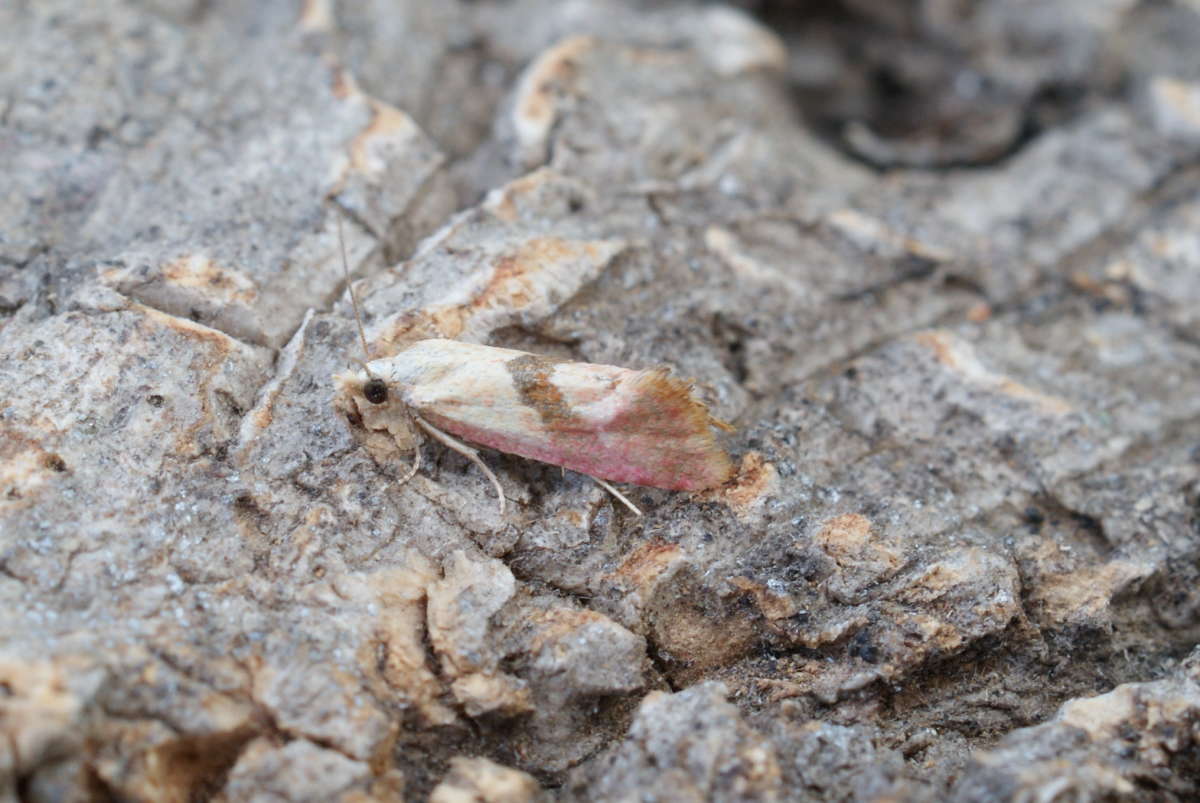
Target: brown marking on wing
<point>531,378</point>
<point>664,408</point>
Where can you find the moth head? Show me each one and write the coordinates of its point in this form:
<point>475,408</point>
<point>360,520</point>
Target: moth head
<point>365,393</point>
<point>375,390</point>
<point>373,409</point>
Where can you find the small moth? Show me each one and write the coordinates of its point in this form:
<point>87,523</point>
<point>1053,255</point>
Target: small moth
<point>611,423</point>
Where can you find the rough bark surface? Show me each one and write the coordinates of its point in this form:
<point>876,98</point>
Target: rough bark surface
<point>939,263</point>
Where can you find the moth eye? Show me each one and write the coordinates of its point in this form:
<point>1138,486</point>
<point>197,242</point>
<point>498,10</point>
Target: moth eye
<point>375,390</point>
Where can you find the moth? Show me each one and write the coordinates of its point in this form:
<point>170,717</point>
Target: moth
<point>644,427</point>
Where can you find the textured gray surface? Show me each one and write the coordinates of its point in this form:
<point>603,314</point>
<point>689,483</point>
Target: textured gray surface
<point>937,262</point>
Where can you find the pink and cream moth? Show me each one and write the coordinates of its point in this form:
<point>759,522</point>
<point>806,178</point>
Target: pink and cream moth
<point>641,427</point>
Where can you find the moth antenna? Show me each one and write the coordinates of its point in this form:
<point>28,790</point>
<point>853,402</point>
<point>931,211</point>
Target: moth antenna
<point>619,495</point>
<point>465,451</point>
<point>362,334</point>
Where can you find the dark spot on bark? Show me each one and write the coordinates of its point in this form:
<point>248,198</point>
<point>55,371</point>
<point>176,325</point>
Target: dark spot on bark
<point>1006,445</point>
<point>156,400</point>
<point>861,647</point>
<point>246,505</point>
<point>96,135</point>
<point>531,378</point>
<point>54,463</point>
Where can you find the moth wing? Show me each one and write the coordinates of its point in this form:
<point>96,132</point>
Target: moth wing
<point>643,427</point>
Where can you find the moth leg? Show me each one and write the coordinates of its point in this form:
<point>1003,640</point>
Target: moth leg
<point>619,496</point>
<point>465,451</point>
<point>416,466</point>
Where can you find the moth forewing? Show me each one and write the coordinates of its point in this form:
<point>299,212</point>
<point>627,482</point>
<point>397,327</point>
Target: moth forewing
<point>609,422</point>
